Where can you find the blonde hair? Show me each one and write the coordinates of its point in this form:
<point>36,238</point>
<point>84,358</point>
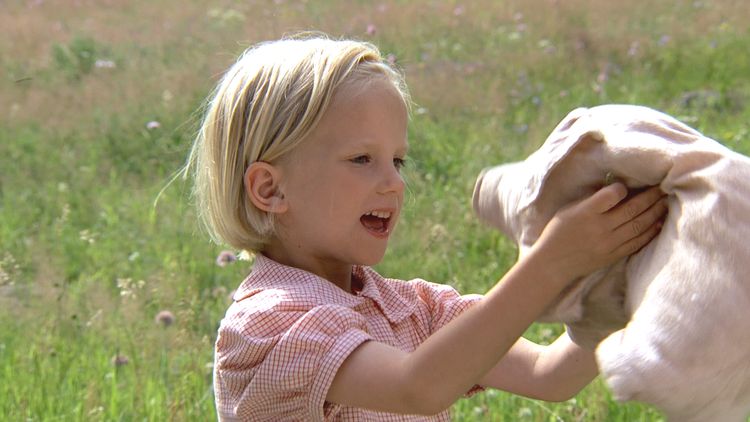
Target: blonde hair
<point>264,106</point>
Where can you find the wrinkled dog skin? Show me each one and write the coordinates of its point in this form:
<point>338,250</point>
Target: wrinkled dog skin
<point>681,305</point>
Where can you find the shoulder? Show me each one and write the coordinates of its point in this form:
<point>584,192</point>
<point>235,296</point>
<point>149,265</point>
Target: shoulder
<point>264,313</point>
<point>276,354</point>
<point>270,328</point>
<point>415,289</point>
<point>434,293</point>
<point>433,301</point>
<point>271,312</point>
<point>442,301</point>
<point>274,296</point>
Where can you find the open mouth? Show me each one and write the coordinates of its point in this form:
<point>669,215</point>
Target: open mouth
<point>377,222</point>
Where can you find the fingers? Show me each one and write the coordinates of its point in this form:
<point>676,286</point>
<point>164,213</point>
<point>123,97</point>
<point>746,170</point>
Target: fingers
<point>636,243</point>
<point>603,228</point>
<point>607,197</point>
<point>637,210</point>
<point>636,226</point>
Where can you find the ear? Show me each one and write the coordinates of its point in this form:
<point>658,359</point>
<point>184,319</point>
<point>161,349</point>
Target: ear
<point>566,168</point>
<point>262,187</point>
<point>497,193</point>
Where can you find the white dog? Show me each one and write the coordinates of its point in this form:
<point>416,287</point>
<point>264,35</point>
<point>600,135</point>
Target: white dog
<point>685,297</point>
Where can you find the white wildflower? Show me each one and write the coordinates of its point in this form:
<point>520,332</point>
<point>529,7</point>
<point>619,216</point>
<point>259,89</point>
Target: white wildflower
<point>104,64</point>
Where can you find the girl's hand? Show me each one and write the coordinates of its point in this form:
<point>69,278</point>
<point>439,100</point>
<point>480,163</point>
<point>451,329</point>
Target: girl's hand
<point>600,230</point>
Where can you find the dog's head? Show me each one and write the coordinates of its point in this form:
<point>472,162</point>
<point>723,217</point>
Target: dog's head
<point>587,150</point>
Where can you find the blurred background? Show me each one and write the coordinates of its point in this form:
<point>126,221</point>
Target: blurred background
<point>110,299</point>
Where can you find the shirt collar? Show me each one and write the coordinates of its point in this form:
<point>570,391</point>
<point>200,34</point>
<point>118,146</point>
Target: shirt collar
<point>391,296</point>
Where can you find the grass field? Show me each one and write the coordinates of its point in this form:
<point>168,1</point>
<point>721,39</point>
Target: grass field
<point>98,107</point>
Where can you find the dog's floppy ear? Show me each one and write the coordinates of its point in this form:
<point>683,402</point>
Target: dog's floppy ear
<point>566,168</point>
<point>514,197</point>
<point>552,162</point>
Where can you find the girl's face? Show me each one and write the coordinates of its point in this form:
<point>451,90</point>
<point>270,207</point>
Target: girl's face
<point>342,184</point>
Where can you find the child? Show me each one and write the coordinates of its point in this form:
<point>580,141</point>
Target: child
<point>298,160</point>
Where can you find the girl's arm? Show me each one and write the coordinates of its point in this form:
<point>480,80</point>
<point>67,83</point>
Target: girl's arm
<point>552,373</point>
<point>579,239</point>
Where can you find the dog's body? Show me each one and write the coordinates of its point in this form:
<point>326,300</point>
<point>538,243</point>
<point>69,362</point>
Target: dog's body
<point>686,345</point>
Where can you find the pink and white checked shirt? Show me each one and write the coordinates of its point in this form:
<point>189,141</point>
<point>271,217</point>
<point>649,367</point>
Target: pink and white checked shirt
<point>288,331</point>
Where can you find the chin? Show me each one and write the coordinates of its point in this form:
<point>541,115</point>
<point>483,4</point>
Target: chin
<point>371,259</point>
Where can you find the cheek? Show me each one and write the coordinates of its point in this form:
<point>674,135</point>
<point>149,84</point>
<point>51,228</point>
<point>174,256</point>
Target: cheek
<point>321,203</point>
<point>325,194</point>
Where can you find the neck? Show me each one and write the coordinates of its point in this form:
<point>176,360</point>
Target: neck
<point>337,273</point>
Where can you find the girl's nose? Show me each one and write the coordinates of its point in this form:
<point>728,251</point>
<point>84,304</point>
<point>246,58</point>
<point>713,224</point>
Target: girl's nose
<point>392,181</point>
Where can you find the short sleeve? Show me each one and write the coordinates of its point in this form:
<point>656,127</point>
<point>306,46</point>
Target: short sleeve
<point>278,365</point>
<point>443,301</point>
<point>444,304</point>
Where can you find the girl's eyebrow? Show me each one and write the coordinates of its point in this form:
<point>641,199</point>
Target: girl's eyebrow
<point>369,144</point>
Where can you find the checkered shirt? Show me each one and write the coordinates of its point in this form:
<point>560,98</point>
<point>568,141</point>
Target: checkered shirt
<point>288,331</point>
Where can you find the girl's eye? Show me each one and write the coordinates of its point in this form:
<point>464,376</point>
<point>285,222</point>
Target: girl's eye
<point>361,159</point>
<point>399,163</point>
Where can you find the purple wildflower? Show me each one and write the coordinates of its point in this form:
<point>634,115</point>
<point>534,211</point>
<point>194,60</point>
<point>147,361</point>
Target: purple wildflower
<point>165,318</point>
<point>633,50</point>
<point>120,360</point>
<point>225,258</point>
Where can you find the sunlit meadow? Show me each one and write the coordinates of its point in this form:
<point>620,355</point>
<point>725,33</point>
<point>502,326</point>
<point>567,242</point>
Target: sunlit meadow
<point>109,299</point>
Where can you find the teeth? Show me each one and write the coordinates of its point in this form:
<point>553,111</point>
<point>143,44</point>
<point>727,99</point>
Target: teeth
<point>380,214</point>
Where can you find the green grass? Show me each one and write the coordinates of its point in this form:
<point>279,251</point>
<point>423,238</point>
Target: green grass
<point>87,259</point>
